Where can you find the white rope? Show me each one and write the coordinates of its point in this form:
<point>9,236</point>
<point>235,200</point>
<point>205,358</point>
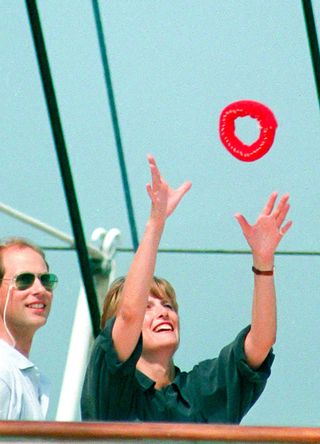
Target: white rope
<point>5,315</point>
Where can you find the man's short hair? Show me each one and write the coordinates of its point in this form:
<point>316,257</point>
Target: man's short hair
<point>20,243</point>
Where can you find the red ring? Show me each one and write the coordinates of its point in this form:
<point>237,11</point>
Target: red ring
<point>267,124</point>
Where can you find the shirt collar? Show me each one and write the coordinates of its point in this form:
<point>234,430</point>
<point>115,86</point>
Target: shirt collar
<point>146,383</point>
<point>18,358</point>
<point>144,380</point>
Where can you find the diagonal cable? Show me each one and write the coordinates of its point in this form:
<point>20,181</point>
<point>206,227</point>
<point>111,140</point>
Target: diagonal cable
<point>313,41</point>
<point>115,123</point>
<point>62,155</point>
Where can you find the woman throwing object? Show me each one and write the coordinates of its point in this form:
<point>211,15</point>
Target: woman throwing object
<point>131,375</point>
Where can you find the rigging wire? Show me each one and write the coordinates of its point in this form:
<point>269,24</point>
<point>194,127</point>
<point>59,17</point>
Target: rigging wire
<point>313,42</point>
<point>224,251</point>
<point>197,251</point>
<point>62,155</point>
<point>115,123</point>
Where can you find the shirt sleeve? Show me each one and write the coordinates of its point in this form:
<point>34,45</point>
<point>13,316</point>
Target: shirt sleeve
<point>227,387</point>
<point>108,381</point>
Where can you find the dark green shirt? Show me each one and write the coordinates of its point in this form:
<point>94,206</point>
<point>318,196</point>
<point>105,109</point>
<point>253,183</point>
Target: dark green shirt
<point>219,390</point>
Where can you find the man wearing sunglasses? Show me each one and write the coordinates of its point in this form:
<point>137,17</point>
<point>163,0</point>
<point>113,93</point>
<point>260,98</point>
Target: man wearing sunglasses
<point>26,289</point>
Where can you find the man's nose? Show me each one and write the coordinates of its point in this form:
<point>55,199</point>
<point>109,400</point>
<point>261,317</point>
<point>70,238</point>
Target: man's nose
<point>37,286</point>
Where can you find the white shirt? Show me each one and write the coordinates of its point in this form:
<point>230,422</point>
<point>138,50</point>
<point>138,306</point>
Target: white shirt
<point>24,392</point>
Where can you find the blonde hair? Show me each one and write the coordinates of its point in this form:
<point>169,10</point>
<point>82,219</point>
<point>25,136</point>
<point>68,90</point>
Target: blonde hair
<point>160,288</point>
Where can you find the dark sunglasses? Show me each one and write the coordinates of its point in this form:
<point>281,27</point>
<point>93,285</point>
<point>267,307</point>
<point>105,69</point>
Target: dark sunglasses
<point>23,281</point>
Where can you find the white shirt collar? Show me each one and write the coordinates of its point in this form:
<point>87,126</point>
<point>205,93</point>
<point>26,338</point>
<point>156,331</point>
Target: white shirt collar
<point>18,358</point>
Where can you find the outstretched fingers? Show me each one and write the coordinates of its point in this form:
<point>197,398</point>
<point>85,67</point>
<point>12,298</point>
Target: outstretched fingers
<point>149,191</point>
<point>184,188</point>
<point>264,235</point>
<point>175,196</point>
<point>279,213</point>
<point>285,228</point>
<point>282,216</point>
<point>244,224</point>
<point>155,174</point>
<point>160,193</point>
<point>267,210</point>
<point>282,209</point>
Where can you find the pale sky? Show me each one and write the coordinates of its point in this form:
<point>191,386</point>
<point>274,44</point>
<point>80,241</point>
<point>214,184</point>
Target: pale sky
<point>175,66</point>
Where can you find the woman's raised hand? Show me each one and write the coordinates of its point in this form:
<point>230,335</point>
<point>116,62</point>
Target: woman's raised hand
<point>164,198</point>
<point>264,236</point>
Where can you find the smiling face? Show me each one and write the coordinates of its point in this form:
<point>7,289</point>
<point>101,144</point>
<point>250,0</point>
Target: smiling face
<point>160,328</point>
<point>27,310</point>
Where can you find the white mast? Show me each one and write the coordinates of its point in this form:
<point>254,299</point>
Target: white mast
<point>82,336</point>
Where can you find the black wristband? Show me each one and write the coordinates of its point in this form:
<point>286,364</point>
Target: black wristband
<point>263,273</point>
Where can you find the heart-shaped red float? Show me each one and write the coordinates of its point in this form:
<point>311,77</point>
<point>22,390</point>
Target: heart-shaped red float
<point>267,124</point>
